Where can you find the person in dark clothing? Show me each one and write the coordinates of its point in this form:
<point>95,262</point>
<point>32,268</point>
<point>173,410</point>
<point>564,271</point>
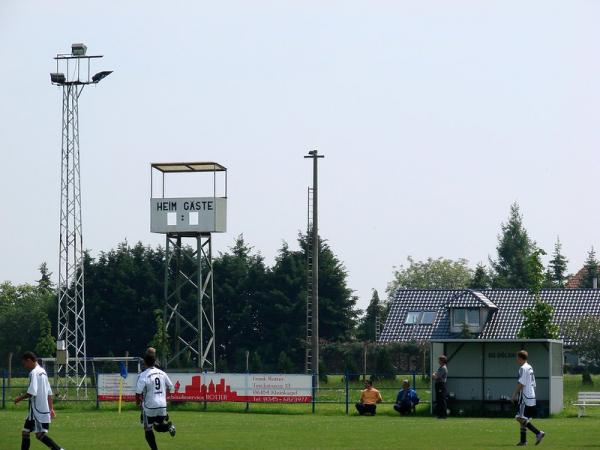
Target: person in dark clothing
<point>441,393</point>
<point>406,400</point>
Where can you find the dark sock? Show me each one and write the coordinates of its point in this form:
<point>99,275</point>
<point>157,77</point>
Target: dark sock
<point>162,427</point>
<point>523,434</point>
<point>532,428</point>
<point>25,442</point>
<point>49,442</point>
<point>151,439</point>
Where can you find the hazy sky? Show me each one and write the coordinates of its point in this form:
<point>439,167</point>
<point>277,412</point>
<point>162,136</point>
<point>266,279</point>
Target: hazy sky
<point>434,117</point>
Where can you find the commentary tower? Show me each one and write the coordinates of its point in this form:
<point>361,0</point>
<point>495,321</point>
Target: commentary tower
<point>188,224</point>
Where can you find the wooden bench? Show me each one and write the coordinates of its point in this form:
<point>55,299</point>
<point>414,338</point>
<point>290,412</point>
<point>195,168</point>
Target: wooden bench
<point>585,399</point>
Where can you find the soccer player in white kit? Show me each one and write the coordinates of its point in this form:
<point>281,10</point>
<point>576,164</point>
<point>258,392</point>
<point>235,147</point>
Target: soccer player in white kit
<point>41,409</point>
<point>151,394</point>
<point>525,394</point>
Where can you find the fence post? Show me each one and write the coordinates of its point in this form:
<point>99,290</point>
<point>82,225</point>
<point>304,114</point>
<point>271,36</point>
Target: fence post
<point>97,398</point>
<point>414,380</point>
<point>247,376</point>
<point>346,382</point>
<point>314,392</point>
<point>3,389</point>
<point>10,355</point>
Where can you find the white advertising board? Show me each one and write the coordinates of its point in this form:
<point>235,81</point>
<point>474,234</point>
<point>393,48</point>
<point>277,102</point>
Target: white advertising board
<point>218,387</point>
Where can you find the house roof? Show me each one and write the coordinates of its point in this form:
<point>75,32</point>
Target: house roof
<point>575,280</point>
<point>505,306</point>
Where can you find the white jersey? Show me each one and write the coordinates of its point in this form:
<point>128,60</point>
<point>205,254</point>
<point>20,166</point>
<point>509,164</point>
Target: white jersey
<point>39,389</point>
<point>527,379</point>
<point>152,384</point>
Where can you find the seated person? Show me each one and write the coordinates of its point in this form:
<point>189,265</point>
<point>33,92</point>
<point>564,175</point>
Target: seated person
<point>407,399</point>
<point>369,398</point>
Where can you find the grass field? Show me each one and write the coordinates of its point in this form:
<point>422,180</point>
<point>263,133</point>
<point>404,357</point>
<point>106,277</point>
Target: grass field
<point>107,430</point>
<point>227,426</point>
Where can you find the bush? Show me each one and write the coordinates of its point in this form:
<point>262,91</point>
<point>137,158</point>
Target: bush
<point>579,369</point>
<point>384,370</point>
<point>322,372</point>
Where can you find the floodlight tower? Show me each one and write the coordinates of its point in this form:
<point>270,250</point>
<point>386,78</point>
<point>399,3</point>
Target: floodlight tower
<point>72,74</point>
<point>188,223</point>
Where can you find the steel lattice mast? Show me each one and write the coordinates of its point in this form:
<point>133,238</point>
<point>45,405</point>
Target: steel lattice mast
<point>71,336</point>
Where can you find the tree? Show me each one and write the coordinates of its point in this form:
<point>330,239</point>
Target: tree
<point>285,305</point>
<point>45,282</point>
<point>537,323</point>
<point>337,305</point>
<point>557,267</point>
<point>481,278</point>
<point>255,364</point>
<point>440,273</point>
<point>284,363</point>
<point>511,268</point>
<point>584,334</point>
<point>23,314</point>
<point>591,270</point>
<point>160,341</point>
<point>366,330</point>
<point>46,345</point>
<point>241,287</point>
<point>123,288</point>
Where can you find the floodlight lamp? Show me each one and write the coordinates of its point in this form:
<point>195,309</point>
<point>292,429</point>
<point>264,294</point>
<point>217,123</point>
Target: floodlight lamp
<point>57,78</point>
<point>78,49</point>
<point>101,75</point>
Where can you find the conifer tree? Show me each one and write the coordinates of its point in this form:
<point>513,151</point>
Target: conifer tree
<point>481,278</point>
<point>512,266</point>
<point>368,323</point>
<point>591,267</point>
<point>557,267</point>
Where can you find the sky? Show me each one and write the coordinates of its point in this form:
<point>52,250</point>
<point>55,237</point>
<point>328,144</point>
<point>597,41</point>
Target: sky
<point>433,116</point>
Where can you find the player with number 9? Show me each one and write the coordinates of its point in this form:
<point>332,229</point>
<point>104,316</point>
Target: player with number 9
<point>151,394</point>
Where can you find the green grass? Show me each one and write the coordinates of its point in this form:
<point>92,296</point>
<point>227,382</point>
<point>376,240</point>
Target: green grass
<point>226,425</point>
<point>107,430</point>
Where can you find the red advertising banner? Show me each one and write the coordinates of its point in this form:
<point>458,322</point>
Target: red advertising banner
<point>218,387</point>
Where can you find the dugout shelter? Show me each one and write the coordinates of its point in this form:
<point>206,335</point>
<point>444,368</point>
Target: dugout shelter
<point>482,374</point>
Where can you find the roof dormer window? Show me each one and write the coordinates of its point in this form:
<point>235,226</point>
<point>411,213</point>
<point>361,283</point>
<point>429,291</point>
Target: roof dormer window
<point>470,316</point>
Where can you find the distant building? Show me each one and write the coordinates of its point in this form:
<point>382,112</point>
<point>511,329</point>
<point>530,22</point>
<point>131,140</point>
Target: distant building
<point>575,280</point>
<point>427,314</point>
